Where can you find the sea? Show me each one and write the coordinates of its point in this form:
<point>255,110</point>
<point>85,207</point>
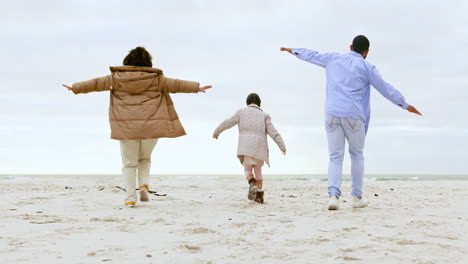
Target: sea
<point>278,177</point>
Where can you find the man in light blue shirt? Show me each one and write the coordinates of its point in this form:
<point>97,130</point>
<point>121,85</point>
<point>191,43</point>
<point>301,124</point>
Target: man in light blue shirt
<point>349,77</point>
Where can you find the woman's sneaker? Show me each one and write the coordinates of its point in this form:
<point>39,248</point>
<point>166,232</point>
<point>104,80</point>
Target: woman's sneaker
<point>259,197</point>
<point>333,203</point>
<point>144,193</point>
<point>130,204</point>
<point>252,189</point>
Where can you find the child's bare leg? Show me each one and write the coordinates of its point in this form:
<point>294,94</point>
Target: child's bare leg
<point>248,170</point>
<point>252,183</point>
<point>258,176</point>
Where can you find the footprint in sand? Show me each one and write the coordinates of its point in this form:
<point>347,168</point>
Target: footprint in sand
<point>446,237</point>
<point>286,220</point>
<point>357,249</point>
<point>95,253</point>
<point>201,230</point>
<point>125,228</point>
<point>350,258</point>
<point>45,222</point>
<point>410,242</point>
<point>195,203</point>
<point>241,224</point>
<point>349,228</point>
<point>24,203</point>
<point>104,219</point>
<point>191,248</point>
<point>159,220</point>
<point>40,198</point>
<point>445,246</point>
<point>102,252</point>
<point>15,242</point>
<point>44,219</point>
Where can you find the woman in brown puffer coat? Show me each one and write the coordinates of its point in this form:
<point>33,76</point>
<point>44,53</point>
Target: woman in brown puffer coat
<point>140,112</point>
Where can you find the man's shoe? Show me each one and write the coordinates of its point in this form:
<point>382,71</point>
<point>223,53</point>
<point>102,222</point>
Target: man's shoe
<point>144,193</point>
<point>252,189</point>
<point>333,203</point>
<point>130,204</point>
<point>358,202</point>
<point>259,198</point>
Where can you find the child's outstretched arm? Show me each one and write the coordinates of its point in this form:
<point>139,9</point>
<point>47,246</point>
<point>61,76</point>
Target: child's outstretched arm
<point>271,130</point>
<point>226,124</point>
<point>94,85</point>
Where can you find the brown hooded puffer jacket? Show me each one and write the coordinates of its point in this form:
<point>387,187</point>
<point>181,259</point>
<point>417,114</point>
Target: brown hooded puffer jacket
<point>140,104</point>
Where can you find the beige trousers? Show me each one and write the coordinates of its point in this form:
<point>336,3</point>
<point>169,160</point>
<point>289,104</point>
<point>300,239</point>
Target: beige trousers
<point>136,160</point>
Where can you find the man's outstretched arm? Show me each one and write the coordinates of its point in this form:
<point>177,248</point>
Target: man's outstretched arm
<point>312,56</point>
<point>389,92</point>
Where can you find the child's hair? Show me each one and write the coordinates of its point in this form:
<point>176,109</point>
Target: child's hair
<point>253,98</point>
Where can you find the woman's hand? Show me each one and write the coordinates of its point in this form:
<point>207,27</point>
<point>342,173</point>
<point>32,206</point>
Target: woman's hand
<point>204,88</point>
<point>283,152</point>
<point>68,87</point>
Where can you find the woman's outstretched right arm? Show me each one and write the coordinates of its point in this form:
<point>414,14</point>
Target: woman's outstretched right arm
<point>180,86</point>
<point>94,85</point>
<point>226,124</point>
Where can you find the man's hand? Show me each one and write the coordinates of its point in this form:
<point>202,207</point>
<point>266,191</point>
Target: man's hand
<point>412,109</point>
<point>68,87</point>
<point>204,88</point>
<point>283,152</point>
<point>286,49</point>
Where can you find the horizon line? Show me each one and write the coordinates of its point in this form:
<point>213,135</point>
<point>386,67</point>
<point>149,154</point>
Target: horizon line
<point>215,174</point>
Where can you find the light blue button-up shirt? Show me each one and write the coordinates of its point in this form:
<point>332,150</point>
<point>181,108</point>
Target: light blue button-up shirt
<point>349,78</point>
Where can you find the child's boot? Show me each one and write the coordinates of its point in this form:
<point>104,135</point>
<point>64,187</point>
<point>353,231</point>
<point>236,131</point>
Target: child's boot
<point>259,198</point>
<point>252,189</point>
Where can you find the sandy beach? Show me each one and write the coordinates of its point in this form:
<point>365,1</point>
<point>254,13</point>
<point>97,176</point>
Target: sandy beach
<point>209,220</point>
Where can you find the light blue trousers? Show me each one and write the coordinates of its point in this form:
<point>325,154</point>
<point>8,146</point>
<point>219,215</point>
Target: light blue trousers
<point>353,131</point>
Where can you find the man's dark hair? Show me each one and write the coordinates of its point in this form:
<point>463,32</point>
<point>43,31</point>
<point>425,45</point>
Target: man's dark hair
<point>253,98</point>
<point>138,56</point>
<point>360,44</point>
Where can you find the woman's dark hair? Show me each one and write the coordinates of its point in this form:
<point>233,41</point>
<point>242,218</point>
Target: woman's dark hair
<point>253,98</point>
<point>138,56</point>
<point>360,44</point>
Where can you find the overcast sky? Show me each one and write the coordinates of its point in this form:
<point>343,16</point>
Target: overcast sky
<point>419,47</point>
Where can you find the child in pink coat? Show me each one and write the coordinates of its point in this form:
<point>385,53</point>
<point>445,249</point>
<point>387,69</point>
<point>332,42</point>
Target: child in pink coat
<point>252,151</point>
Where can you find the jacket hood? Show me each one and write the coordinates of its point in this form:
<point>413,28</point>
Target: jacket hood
<point>133,79</point>
<point>255,106</point>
